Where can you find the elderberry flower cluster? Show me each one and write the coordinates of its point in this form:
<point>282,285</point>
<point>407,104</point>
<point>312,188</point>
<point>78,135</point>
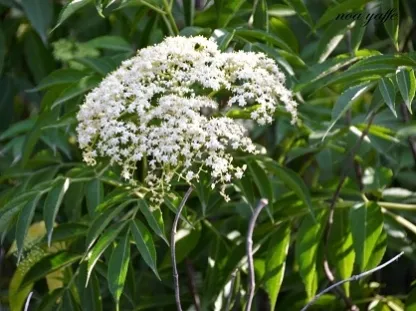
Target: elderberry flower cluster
<point>162,105</point>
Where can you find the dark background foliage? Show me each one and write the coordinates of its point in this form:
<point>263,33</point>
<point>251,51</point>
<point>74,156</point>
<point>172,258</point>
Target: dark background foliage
<point>349,161</point>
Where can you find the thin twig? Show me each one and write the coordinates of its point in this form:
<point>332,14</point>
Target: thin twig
<point>230,296</point>
<point>192,285</point>
<point>330,276</point>
<point>28,301</point>
<point>173,249</point>
<point>353,278</point>
<point>249,245</point>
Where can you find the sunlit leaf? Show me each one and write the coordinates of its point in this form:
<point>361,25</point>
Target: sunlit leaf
<point>40,14</point>
<point>23,222</point>
<point>118,266</point>
<point>52,204</point>
<point>276,261</point>
<point>145,245</point>
<point>49,264</point>
<point>406,83</point>
<point>306,248</point>
<point>366,221</point>
<point>340,248</point>
<point>102,244</point>
<point>388,91</point>
<point>70,9</point>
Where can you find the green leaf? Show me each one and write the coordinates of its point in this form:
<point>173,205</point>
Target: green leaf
<point>357,34</point>
<point>7,94</point>
<point>406,131</point>
<point>340,8</point>
<point>59,77</point>
<point>280,10</point>
<point>145,245</point>
<point>52,203</point>
<point>256,35</point>
<point>187,240</point>
<point>276,261</point>
<point>94,194</point>
<point>115,197</point>
<point>376,179</point>
<point>101,221</point>
<point>103,65</point>
<point>114,43</point>
<point>388,91</point>
<point>411,299</point>
<point>105,240</point>
<point>293,182</point>
<point>194,31</point>
<point>70,9</point>
<point>2,50</point>
<point>38,57</point>
<point>332,36</point>
<point>18,128</point>
<point>45,118</point>
<point>378,252</point>
<point>345,102</point>
<point>282,29</point>
<point>392,25</point>
<point>154,218</point>
<point>396,60</point>
<point>405,78</point>
<point>23,222</point>
<point>261,180</point>
<point>18,294</point>
<point>340,248</point>
<point>76,89</point>
<point>223,38</point>
<point>228,10</point>
<point>49,301</point>
<point>99,5</point>
<point>355,76</point>
<point>68,303</point>
<point>260,16</point>
<point>189,11</point>
<point>7,216</point>
<point>40,15</point>
<point>306,248</point>
<point>49,264</point>
<point>90,296</point>
<point>318,73</point>
<point>301,10</point>
<point>366,221</point>
<point>68,231</point>
<point>117,268</point>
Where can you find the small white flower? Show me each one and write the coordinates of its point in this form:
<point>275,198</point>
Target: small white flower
<point>155,106</point>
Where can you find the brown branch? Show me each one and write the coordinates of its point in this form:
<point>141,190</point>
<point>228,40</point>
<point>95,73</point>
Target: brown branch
<point>350,157</point>
<point>353,278</point>
<point>192,285</point>
<point>359,175</point>
<point>249,248</point>
<point>173,249</point>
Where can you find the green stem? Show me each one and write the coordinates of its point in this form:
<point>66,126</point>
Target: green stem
<point>168,10</point>
<point>401,220</point>
<point>154,8</point>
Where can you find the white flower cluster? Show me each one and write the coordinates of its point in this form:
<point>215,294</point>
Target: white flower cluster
<point>152,106</point>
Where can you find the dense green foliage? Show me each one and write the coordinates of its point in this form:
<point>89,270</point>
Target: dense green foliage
<point>64,224</point>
